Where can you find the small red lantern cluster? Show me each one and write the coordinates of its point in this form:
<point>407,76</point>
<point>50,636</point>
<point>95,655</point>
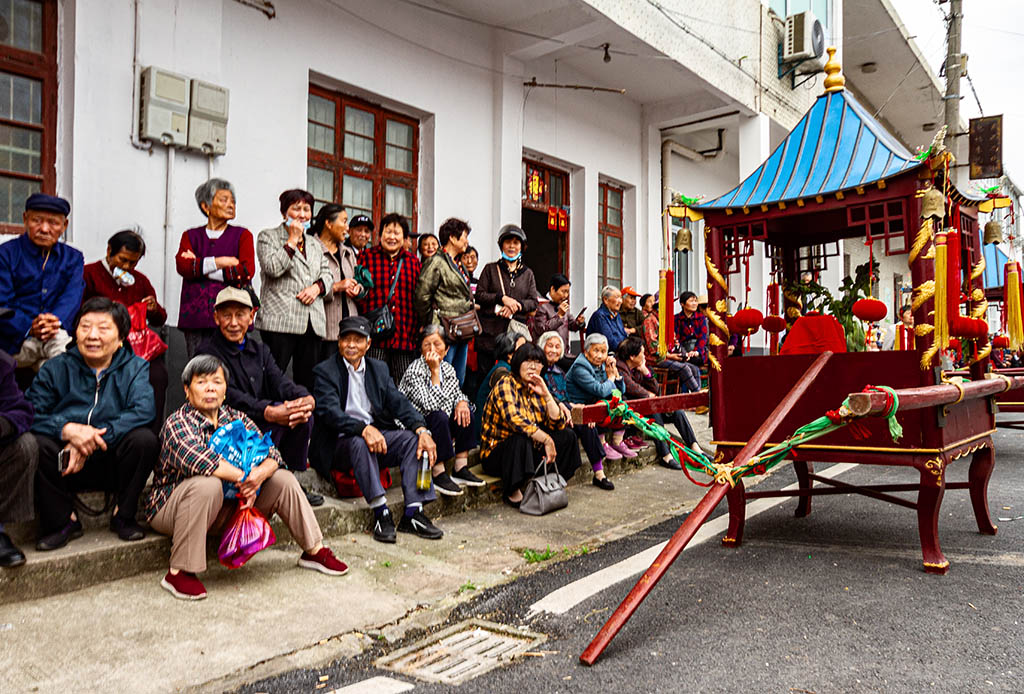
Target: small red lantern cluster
<point>774,324</point>
<point>870,310</point>
<point>1001,342</point>
<point>747,321</point>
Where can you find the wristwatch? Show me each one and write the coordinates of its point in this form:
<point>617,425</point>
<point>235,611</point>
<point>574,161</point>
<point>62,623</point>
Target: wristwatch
<point>422,430</point>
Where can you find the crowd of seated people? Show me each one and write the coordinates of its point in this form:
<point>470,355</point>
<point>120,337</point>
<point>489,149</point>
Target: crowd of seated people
<point>343,359</point>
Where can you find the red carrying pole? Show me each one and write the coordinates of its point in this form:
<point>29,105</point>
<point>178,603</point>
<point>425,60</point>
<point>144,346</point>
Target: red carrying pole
<point>689,528</point>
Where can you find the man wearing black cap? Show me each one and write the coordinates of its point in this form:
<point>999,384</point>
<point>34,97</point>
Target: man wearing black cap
<point>360,229</point>
<point>357,404</point>
<point>42,281</point>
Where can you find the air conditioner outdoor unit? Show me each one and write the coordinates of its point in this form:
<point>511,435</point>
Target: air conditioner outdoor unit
<point>804,43</point>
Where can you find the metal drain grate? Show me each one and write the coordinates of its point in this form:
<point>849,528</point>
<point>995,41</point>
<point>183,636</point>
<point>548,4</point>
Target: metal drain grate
<point>461,652</point>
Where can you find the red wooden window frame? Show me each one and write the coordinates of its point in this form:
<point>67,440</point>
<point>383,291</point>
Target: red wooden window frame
<point>377,172</point>
<point>886,219</point>
<point>608,230</point>
<point>40,66</point>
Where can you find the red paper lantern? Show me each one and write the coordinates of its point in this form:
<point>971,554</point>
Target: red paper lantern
<point>870,310</point>
<point>962,326</point>
<point>773,324</point>
<point>1001,342</point>
<point>748,321</point>
<point>954,344</point>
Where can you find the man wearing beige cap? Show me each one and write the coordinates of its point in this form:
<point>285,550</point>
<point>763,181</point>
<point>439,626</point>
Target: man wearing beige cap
<point>256,386</point>
<point>632,317</point>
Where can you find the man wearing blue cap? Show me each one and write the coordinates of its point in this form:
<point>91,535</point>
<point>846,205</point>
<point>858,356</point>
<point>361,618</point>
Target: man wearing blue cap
<point>41,280</point>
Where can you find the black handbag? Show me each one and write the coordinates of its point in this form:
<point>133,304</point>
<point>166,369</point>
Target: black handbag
<point>382,320</point>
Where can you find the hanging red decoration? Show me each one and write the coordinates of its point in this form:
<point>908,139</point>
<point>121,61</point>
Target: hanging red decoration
<point>748,321</point>
<point>963,326</point>
<point>774,324</point>
<point>552,219</point>
<point>1000,342</point>
<point>870,310</point>
<point>563,220</point>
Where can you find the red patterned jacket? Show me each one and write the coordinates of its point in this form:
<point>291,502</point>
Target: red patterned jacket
<point>382,268</point>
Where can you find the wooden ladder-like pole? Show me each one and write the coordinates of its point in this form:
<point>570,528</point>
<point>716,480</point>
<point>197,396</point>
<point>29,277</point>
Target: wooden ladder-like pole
<point>698,516</point>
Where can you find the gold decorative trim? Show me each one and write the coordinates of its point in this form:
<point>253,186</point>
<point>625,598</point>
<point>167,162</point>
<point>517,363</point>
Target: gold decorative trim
<point>928,356</point>
<point>717,321</point>
<point>871,449</point>
<point>921,294</point>
<point>714,362</point>
<point>944,564</point>
<point>714,274</point>
<point>923,329</point>
<point>978,269</point>
<point>924,235</point>
<point>935,466</point>
<point>721,305</point>
<point>714,340</point>
<point>984,353</point>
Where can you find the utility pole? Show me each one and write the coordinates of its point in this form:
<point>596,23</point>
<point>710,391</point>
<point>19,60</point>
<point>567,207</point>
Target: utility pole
<point>954,62</point>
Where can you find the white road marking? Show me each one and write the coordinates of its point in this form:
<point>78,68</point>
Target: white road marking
<point>376,685</point>
<point>568,596</point>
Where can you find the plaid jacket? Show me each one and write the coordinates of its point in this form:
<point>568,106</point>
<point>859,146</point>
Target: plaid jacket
<point>284,273</point>
<point>185,452</point>
<point>512,408</point>
<point>694,328</point>
<point>382,268</point>
<point>424,395</point>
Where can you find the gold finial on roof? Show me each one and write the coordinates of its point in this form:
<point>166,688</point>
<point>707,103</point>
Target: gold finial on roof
<point>834,80</point>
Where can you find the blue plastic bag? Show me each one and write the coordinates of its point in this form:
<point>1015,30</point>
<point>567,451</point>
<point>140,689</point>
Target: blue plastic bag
<point>242,448</point>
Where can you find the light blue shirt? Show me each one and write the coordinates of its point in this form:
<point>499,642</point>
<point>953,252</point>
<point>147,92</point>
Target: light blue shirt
<point>357,404</point>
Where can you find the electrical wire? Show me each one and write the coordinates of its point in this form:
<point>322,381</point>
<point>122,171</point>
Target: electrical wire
<point>658,6</point>
<point>975,92</point>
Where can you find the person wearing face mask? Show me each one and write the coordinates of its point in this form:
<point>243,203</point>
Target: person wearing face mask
<point>332,230</point>
<point>296,278</point>
<point>209,258</point>
<point>116,278</point>
<point>506,293</point>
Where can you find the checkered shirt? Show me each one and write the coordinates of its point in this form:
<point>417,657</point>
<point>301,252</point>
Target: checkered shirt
<point>382,268</point>
<point>424,395</point>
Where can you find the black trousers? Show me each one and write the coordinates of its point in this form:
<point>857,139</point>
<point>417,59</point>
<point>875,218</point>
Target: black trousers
<point>121,469</point>
<point>450,437</point>
<point>302,350</point>
<point>590,437</point>
<point>515,459</point>
<point>678,417</point>
<point>18,458</point>
<point>158,379</point>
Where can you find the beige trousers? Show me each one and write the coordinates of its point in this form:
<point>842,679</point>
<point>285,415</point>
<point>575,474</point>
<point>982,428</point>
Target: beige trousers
<point>197,505</point>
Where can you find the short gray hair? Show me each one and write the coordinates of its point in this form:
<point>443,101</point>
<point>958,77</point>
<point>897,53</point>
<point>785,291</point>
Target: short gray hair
<point>202,365</point>
<point>433,329</point>
<point>206,191</point>
<point>594,339</point>
<point>608,291</point>
<point>543,340</point>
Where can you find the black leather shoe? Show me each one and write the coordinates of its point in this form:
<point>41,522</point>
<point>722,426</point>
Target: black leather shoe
<point>313,498</point>
<point>384,529</point>
<point>10,555</point>
<point>71,531</point>
<point>604,483</point>
<point>127,530</point>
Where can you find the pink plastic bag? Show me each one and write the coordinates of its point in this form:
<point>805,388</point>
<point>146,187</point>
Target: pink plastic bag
<point>248,533</point>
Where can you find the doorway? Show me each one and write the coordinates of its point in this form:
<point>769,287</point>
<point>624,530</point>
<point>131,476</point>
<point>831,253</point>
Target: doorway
<point>545,194</point>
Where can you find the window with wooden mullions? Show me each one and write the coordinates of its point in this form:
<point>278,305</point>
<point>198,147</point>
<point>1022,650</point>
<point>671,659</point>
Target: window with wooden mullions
<point>881,220</point>
<point>610,235</point>
<point>361,156</point>
<point>28,105</point>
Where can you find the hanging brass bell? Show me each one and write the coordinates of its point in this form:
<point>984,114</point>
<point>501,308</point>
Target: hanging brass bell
<point>933,204</point>
<point>993,232</point>
<point>684,240</point>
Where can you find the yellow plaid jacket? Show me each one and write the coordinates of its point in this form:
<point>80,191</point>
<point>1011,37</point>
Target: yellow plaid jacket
<point>512,408</point>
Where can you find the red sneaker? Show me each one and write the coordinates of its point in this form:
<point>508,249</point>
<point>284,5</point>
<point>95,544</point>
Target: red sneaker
<point>323,561</point>
<point>184,586</point>
<point>635,442</point>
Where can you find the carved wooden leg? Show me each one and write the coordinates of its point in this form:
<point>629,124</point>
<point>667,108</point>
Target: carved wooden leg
<point>803,504</point>
<point>929,499</point>
<point>737,497</point>
<point>981,469</point>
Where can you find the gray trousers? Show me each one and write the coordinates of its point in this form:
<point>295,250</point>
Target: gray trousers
<point>351,453</point>
<point>18,458</point>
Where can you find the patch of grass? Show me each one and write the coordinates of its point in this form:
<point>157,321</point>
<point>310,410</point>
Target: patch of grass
<point>575,551</point>
<point>533,556</point>
<point>468,585</point>
<point>386,564</point>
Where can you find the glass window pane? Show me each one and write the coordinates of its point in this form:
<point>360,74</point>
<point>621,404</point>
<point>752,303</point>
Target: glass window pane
<point>613,246</point>
<point>20,149</point>
<point>358,121</point>
<point>21,98</point>
<point>615,198</point>
<point>555,191</point>
<point>357,192</point>
<point>13,193</point>
<point>321,110</point>
<point>820,9</point>
<point>398,159</point>
<point>399,134</point>
<point>358,148</point>
<point>613,270</point>
<point>614,217</point>
<point>320,138</point>
<point>398,200</point>
<point>320,182</point>
<point>21,24</point>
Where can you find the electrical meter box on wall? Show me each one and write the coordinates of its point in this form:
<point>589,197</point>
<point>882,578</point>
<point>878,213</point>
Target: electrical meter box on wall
<point>208,118</point>
<point>164,107</point>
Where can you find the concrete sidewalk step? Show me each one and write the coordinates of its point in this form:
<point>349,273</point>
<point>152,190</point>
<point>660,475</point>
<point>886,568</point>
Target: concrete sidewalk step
<point>100,556</point>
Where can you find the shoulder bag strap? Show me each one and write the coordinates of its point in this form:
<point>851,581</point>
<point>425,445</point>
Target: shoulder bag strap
<point>394,282</point>
<point>497,267</point>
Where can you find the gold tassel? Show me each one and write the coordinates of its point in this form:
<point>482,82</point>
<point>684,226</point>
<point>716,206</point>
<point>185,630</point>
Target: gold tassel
<point>1014,324</point>
<point>941,297</point>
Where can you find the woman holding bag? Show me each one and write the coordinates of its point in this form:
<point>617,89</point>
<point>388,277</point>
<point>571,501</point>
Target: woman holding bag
<point>443,294</point>
<point>506,293</point>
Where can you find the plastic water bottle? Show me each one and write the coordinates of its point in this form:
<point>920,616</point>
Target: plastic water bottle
<point>423,479</point>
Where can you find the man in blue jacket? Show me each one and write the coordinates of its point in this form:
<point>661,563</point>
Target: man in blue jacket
<point>93,407</point>
<point>18,454</point>
<point>606,319</point>
<point>357,404</point>
<point>40,280</point>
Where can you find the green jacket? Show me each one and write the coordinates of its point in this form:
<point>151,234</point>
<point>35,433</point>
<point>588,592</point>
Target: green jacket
<point>441,287</point>
<point>633,319</point>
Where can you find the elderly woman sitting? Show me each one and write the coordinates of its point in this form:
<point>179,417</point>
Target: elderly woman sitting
<point>187,497</point>
<point>432,386</point>
<point>640,383</point>
<point>588,435</point>
<point>592,377</point>
<point>523,423</point>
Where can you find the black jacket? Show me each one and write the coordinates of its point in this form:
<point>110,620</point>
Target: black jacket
<point>254,379</point>
<point>330,388</point>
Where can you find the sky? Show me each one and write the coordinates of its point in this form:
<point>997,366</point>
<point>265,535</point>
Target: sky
<point>993,38</point>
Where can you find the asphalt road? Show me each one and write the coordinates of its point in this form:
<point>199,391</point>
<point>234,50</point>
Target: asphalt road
<point>836,602</point>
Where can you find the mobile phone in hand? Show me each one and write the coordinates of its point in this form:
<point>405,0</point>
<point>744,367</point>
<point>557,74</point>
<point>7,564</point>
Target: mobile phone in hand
<point>63,460</point>
<point>580,314</point>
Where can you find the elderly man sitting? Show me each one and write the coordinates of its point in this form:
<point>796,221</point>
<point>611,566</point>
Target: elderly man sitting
<point>256,386</point>
<point>606,319</point>
<point>18,455</point>
<point>41,280</point>
<point>93,409</point>
<point>357,404</point>
<point>187,497</point>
